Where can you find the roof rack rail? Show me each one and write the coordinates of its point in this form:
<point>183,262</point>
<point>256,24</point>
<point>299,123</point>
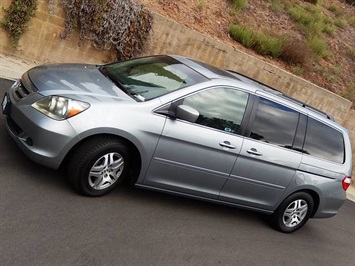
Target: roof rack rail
<point>269,89</point>
<point>308,107</point>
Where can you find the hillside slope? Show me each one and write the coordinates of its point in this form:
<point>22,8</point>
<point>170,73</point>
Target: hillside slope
<point>335,72</point>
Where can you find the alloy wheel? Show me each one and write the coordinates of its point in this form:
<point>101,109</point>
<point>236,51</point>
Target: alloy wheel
<point>295,212</point>
<point>106,171</point>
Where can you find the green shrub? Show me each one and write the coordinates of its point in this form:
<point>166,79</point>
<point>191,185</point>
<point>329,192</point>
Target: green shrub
<point>277,6</point>
<point>318,47</point>
<point>341,23</point>
<point>268,45</point>
<point>16,18</point>
<point>243,35</point>
<point>329,29</point>
<point>261,43</point>
<point>337,11</point>
<point>351,21</point>
<point>311,19</point>
<point>201,4</point>
<point>239,4</point>
<point>300,15</point>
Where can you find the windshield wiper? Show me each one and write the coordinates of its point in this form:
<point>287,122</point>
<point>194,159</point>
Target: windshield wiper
<point>124,88</point>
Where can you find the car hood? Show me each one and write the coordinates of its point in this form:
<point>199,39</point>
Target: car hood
<point>75,79</point>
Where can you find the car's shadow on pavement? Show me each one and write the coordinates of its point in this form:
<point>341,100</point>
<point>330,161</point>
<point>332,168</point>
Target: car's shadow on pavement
<point>191,207</point>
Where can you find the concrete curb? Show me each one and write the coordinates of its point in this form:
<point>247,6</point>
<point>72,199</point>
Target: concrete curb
<point>12,68</point>
<point>350,193</point>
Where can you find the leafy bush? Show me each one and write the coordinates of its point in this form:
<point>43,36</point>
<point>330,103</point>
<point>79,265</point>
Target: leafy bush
<point>318,47</point>
<point>307,22</point>
<point>268,45</point>
<point>311,20</point>
<point>201,4</point>
<point>351,21</point>
<point>261,43</point>
<point>341,23</point>
<point>335,10</point>
<point>243,35</point>
<point>123,25</point>
<point>329,29</point>
<point>16,18</point>
<point>277,6</point>
<point>239,4</point>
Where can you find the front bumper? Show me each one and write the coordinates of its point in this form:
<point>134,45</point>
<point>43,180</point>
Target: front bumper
<point>44,140</point>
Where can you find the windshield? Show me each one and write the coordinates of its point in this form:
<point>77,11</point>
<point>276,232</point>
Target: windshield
<point>150,77</point>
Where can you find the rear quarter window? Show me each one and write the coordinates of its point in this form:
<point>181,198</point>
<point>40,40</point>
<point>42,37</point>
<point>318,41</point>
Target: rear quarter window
<point>324,142</point>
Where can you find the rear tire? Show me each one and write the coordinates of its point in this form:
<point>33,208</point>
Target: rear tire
<point>293,212</point>
<point>98,166</point>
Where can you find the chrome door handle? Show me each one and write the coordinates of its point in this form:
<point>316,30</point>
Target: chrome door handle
<point>254,151</point>
<point>227,144</point>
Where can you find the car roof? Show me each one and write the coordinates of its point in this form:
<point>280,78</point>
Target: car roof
<point>212,72</point>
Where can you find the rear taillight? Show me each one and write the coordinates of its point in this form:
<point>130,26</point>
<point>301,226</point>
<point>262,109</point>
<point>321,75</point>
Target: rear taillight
<point>346,182</point>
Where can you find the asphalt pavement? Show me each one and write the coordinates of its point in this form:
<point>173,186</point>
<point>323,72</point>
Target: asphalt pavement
<point>44,222</point>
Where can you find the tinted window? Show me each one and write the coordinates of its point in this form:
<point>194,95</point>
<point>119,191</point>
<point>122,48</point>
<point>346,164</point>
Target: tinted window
<point>324,142</point>
<point>221,108</point>
<point>151,77</point>
<point>274,123</point>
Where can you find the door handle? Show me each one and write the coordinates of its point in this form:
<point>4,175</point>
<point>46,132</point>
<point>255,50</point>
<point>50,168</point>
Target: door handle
<point>227,144</point>
<point>254,151</point>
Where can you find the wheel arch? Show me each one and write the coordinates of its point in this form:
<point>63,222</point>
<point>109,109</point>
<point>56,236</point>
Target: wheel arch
<point>136,155</point>
<point>315,197</point>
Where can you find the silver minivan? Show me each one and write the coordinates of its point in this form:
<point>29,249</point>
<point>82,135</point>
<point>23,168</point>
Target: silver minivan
<point>179,126</point>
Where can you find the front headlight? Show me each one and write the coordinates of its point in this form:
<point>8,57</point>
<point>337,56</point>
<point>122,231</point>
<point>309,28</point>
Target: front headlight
<point>60,108</point>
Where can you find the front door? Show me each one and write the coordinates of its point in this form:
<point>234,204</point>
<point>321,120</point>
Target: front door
<point>197,158</point>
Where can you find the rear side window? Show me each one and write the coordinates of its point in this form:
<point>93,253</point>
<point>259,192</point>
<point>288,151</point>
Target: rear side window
<point>324,142</point>
<point>274,123</point>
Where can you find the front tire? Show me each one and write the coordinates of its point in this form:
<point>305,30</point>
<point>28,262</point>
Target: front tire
<point>293,212</point>
<point>98,166</point>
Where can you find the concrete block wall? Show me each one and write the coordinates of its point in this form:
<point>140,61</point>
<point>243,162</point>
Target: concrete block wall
<point>42,43</point>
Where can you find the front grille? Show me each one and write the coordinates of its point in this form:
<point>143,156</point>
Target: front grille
<point>19,91</point>
<point>23,87</point>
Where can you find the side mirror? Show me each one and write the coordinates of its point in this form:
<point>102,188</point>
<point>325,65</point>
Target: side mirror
<point>187,113</point>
